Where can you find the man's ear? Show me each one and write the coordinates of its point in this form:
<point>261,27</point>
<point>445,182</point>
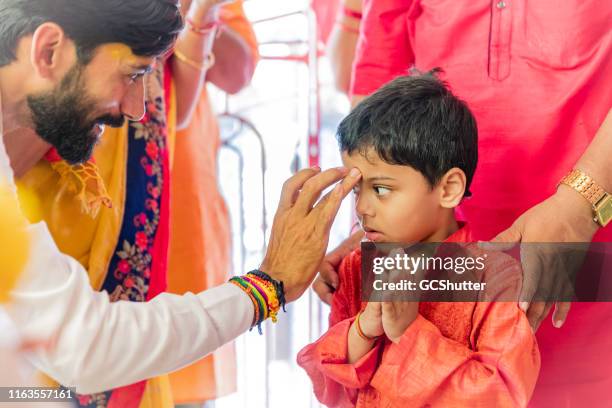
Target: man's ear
<point>452,187</point>
<point>52,53</point>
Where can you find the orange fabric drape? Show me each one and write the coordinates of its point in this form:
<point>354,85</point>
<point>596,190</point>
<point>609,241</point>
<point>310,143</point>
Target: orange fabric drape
<point>200,236</point>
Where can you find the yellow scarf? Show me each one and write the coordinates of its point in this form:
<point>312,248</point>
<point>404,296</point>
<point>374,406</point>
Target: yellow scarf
<point>76,210</point>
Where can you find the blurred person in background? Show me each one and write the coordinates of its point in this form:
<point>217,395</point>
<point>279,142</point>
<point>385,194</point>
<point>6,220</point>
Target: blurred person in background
<point>537,77</point>
<point>200,235</point>
<point>342,43</point>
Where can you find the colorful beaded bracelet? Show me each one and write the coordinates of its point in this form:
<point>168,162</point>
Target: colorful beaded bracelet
<point>267,295</point>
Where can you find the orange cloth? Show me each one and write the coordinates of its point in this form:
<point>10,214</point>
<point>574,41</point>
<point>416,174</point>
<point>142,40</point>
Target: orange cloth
<point>200,238</point>
<point>455,354</point>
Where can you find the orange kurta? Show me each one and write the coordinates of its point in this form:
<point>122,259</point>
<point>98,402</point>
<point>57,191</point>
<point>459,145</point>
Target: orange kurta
<point>200,236</point>
<point>476,354</point>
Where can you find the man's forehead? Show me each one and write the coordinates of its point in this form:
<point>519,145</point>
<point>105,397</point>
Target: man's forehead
<point>123,54</point>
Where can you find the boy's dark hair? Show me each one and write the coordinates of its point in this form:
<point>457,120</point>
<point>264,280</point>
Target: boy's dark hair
<point>148,27</point>
<point>415,121</point>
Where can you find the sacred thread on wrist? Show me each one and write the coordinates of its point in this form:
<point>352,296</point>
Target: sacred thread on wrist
<point>360,332</point>
<point>266,294</point>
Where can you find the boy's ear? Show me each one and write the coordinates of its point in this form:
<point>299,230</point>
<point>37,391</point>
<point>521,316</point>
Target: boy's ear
<point>452,187</point>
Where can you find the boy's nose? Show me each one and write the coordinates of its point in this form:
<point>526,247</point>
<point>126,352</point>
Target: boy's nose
<point>363,208</point>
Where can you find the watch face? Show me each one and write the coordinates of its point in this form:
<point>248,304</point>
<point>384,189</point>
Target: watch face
<point>603,211</point>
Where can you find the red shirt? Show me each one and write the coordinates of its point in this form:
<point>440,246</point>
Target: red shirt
<point>476,354</point>
<point>537,76</point>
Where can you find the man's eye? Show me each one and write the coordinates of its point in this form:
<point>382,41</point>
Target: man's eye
<point>381,191</point>
<point>136,77</point>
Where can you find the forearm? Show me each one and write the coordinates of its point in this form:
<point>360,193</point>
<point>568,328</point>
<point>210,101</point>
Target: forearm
<point>96,345</point>
<point>235,62</point>
<point>595,162</point>
<point>188,77</point>
<point>357,346</point>
<point>596,159</point>
<point>326,362</point>
<point>343,43</point>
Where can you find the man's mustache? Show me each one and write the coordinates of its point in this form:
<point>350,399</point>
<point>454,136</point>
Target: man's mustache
<point>112,121</point>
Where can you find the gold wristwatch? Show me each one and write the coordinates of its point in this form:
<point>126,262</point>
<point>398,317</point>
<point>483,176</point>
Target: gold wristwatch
<point>599,198</point>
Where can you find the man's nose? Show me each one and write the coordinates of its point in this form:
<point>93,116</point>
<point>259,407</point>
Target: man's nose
<point>133,104</point>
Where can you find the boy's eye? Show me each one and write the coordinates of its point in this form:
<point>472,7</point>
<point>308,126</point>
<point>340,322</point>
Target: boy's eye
<point>381,191</point>
<point>356,190</point>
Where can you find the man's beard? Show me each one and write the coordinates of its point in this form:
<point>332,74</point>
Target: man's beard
<point>63,118</point>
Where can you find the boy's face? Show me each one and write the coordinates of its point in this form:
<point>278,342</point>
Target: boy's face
<point>394,203</point>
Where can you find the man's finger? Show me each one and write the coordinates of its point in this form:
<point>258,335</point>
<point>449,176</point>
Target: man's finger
<point>530,263</point>
<point>328,274</point>
<point>536,309</point>
<point>548,286</point>
<point>329,206</point>
<point>543,314</point>
<point>562,308</point>
<point>313,187</point>
<point>560,313</point>
<point>323,290</point>
<point>293,185</point>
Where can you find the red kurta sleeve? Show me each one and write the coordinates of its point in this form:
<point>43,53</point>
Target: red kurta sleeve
<point>335,382</point>
<point>383,50</point>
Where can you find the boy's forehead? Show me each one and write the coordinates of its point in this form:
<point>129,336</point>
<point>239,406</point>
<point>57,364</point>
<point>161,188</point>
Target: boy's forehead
<point>372,167</point>
<point>367,158</point>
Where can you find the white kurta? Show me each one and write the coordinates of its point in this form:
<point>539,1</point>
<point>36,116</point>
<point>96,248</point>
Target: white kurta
<point>96,345</point>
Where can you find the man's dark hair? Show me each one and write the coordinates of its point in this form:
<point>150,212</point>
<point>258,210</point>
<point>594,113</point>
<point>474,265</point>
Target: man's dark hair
<point>148,27</point>
<point>415,121</point>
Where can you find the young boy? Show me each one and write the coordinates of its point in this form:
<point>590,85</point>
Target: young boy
<point>415,144</point>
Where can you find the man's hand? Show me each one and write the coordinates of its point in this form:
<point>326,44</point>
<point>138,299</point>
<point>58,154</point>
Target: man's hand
<point>300,232</point>
<point>327,282</point>
<point>564,217</point>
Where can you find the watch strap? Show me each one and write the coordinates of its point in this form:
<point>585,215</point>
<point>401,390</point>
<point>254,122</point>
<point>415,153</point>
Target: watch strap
<point>585,185</point>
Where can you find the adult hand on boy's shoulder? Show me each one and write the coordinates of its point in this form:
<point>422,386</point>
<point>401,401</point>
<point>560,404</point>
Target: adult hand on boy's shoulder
<point>327,281</point>
<point>564,217</point>
<point>397,317</point>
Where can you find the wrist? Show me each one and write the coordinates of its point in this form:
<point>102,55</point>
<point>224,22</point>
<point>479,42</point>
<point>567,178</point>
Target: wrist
<point>594,170</point>
<point>593,193</point>
<point>203,15</point>
<point>577,211</point>
<point>364,329</point>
